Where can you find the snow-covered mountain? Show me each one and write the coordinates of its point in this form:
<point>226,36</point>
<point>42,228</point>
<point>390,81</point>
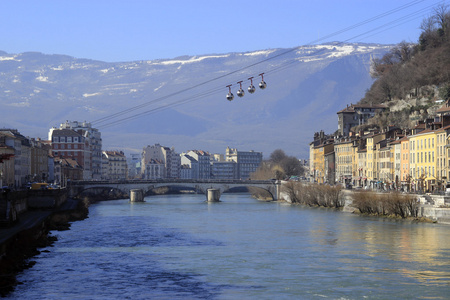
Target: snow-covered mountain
<point>181,102</point>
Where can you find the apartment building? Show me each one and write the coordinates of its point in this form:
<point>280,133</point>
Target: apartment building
<point>356,114</point>
<point>247,162</point>
<point>343,149</point>
<point>115,166</point>
<point>93,147</point>
<point>170,159</point>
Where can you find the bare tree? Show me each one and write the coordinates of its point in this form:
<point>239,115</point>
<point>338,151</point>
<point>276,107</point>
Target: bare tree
<point>277,156</point>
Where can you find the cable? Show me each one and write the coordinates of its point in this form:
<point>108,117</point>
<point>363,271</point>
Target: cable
<point>273,70</point>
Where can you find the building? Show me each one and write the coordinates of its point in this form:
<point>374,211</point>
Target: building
<point>343,149</point>
<point>160,154</point>
<point>22,155</point>
<point>405,176</point>
<point>154,169</point>
<point>39,160</point>
<point>115,166</point>
<point>189,167</point>
<point>356,114</point>
<point>134,166</point>
<point>6,166</point>
<point>225,170</point>
<point>92,164</point>
<point>67,169</point>
<point>320,169</point>
<point>199,162</point>
<point>67,143</point>
<point>247,162</point>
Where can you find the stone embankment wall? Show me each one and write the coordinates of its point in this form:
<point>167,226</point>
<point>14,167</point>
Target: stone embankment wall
<point>433,207</point>
<point>21,240</point>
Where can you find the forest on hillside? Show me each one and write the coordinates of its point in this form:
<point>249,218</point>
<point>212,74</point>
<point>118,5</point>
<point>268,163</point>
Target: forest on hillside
<point>420,70</point>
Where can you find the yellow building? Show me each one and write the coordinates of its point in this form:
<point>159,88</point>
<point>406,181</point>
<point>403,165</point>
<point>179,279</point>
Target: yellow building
<point>405,176</point>
<point>423,155</point>
<point>319,171</point>
<point>343,150</point>
<point>372,167</point>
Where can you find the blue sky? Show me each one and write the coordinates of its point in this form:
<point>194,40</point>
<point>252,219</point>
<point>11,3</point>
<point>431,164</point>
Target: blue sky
<point>143,30</point>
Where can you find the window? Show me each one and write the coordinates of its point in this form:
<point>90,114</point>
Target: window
<point>55,139</point>
<point>69,139</point>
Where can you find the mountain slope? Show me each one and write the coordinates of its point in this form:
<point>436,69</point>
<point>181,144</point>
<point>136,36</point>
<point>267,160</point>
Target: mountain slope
<point>183,99</point>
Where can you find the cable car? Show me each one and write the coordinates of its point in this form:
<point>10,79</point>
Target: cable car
<point>230,95</point>
<point>251,89</point>
<point>262,84</point>
<point>240,92</point>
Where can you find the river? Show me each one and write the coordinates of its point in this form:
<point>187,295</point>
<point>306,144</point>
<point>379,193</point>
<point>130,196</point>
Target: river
<point>181,247</point>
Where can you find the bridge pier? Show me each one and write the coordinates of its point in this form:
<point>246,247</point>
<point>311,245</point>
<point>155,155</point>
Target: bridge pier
<point>136,195</point>
<point>213,195</point>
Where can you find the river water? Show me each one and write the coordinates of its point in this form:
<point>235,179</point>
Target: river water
<point>181,247</point>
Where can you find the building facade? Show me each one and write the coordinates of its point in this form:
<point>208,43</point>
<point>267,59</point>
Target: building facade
<point>247,162</point>
<point>115,167</point>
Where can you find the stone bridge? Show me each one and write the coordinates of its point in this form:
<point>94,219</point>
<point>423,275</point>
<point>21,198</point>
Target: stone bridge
<point>206,186</point>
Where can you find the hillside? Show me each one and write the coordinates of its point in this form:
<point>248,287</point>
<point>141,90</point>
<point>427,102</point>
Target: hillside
<point>181,101</point>
<point>414,79</point>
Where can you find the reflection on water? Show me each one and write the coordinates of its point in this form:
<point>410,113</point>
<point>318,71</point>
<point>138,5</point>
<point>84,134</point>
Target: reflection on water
<point>178,247</point>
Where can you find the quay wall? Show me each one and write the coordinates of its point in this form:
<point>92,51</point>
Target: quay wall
<point>433,207</point>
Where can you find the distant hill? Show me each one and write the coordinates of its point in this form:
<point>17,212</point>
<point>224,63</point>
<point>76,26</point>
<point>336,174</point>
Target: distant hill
<point>186,96</point>
<point>414,79</point>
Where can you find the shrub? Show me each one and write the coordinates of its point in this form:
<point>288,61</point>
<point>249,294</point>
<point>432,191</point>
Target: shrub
<point>395,204</point>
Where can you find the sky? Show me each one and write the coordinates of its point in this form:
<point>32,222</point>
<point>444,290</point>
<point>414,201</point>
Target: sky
<point>119,31</point>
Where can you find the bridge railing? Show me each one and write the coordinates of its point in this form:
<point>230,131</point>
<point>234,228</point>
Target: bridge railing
<point>173,180</point>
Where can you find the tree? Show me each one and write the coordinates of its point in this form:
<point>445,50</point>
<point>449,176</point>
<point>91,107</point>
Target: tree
<point>287,165</point>
<point>277,156</point>
<point>291,166</point>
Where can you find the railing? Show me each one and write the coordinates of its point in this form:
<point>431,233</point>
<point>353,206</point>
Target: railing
<point>173,180</point>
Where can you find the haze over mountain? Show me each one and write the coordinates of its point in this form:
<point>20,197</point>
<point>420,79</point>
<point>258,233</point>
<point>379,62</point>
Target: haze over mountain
<point>185,97</point>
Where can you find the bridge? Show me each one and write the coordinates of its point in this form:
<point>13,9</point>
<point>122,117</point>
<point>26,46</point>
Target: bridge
<point>211,188</point>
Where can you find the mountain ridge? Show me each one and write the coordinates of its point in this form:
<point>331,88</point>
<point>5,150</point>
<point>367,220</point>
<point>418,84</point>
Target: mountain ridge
<point>39,91</point>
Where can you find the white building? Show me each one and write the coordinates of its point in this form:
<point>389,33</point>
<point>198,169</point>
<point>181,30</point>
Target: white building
<point>154,169</point>
<point>115,166</point>
<point>199,162</point>
<point>167,156</point>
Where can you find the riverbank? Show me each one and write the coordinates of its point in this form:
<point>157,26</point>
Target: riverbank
<point>423,208</point>
<point>30,231</point>
<point>430,208</point>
